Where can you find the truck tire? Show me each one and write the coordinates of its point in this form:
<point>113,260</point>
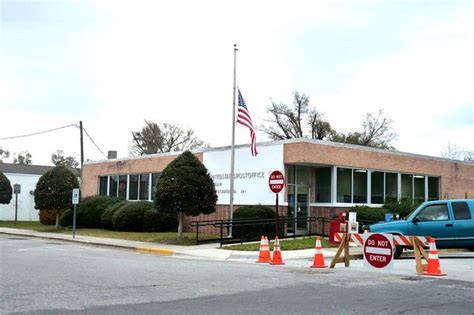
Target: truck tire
<point>398,252</point>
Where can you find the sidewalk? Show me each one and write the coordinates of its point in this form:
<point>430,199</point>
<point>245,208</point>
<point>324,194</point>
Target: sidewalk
<point>205,251</point>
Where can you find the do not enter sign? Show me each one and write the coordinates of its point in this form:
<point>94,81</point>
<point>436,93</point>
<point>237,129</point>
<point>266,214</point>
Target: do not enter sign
<point>276,182</point>
<point>378,250</point>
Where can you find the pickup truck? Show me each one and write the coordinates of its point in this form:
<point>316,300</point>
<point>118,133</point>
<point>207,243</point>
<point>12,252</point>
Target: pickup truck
<point>450,222</point>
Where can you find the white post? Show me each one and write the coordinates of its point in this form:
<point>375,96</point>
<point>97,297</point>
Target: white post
<point>232,151</point>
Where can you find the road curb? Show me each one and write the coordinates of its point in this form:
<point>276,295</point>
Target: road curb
<point>145,250</point>
<point>154,251</point>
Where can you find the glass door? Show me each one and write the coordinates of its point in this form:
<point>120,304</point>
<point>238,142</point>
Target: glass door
<point>298,198</point>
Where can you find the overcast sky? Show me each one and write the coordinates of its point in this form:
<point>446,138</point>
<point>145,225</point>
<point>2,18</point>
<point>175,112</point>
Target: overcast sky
<point>113,64</point>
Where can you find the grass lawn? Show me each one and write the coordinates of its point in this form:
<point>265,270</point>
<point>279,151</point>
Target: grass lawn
<point>154,237</point>
<point>290,244</point>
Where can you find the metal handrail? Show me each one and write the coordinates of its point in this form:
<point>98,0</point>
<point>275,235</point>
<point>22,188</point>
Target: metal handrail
<point>221,224</point>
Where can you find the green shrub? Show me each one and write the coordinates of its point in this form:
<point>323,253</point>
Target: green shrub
<point>5,189</point>
<point>168,221</point>
<point>368,214</point>
<point>403,208</point>
<point>90,210</point>
<point>186,188</point>
<point>66,218</point>
<point>152,221</point>
<point>54,190</point>
<point>106,217</point>
<point>254,231</point>
<point>47,217</point>
<point>131,217</point>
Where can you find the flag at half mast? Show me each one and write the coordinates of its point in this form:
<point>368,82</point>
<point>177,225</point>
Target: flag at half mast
<point>243,118</point>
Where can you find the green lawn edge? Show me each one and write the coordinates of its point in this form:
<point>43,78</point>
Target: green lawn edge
<point>151,237</point>
<point>290,244</point>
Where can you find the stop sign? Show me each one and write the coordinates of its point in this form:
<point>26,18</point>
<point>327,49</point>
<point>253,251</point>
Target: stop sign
<point>276,181</point>
<point>378,250</point>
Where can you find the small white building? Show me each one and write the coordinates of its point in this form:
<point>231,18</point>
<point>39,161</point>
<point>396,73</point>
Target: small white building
<point>27,176</point>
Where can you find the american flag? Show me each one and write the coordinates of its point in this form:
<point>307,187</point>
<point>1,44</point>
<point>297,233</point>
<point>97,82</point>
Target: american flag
<point>243,118</point>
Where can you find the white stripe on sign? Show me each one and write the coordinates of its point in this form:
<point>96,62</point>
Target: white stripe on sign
<point>276,181</point>
<point>377,250</point>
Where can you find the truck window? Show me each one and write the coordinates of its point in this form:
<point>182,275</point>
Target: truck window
<point>461,210</point>
<point>434,213</point>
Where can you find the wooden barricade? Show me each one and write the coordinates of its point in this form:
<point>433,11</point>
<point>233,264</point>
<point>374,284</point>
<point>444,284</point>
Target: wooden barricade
<point>418,243</point>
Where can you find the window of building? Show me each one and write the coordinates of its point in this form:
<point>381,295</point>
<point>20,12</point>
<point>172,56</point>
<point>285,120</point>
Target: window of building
<point>376,187</point>
<point>418,189</point>
<point>360,186</point>
<point>103,185</point>
<point>407,187</point>
<point>302,175</point>
<point>144,184</point>
<point>391,187</point>
<point>461,210</point>
<point>122,187</point>
<point>113,185</point>
<point>133,187</point>
<point>434,213</point>
<point>154,181</point>
<point>323,184</point>
<point>344,185</point>
<point>433,188</point>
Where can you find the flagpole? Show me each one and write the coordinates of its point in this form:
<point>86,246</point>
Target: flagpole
<point>232,151</point>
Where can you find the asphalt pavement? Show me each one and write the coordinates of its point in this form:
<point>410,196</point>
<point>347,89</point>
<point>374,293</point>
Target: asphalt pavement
<point>55,277</point>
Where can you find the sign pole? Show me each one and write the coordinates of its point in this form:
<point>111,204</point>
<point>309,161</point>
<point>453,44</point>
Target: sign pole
<point>276,211</point>
<point>75,202</point>
<point>16,190</point>
<point>74,223</point>
<point>16,206</point>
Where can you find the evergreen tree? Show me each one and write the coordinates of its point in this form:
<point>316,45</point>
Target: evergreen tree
<point>5,189</point>
<point>185,188</point>
<point>54,190</point>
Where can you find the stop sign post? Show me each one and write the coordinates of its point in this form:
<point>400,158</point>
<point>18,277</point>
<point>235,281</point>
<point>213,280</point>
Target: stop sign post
<point>276,182</point>
<point>378,250</point>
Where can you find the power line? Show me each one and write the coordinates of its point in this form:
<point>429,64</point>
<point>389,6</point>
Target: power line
<point>87,134</point>
<point>38,133</point>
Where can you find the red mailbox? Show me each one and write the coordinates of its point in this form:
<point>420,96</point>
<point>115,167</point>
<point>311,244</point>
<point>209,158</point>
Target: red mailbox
<point>337,226</point>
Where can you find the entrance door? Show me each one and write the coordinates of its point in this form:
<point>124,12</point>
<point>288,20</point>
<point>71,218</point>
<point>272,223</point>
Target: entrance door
<point>298,208</point>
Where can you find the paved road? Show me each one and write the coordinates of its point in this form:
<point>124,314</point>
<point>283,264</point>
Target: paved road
<point>44,277</point>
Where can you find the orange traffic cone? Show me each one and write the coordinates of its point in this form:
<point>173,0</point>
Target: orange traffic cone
<point>434,268</point>
<point>276,259</point>
<point>264,253</point>
<point>318,256</point>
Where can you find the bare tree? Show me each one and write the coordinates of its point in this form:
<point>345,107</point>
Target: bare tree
<point>147,141</point>
<point>377,132</point>
<point>320,127</point>
<point>4,154</point>
<point>454,152</point>
<point>289,123</point>
<point>162,138</point>
<point>58,159</point>
<point>22,158</point>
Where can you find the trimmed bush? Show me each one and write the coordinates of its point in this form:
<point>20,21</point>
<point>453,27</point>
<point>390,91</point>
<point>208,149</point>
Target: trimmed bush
<point>403,208</point>
<point>254,231</point>
<point>368,214</point>
<point>106,217</point>
<point>131,217</point>
<point>5,189</point>
<point>66,218</point>
<point>47,217</point>
<point>90,210</point>
<point>152,221</point>
<point>185,188</point>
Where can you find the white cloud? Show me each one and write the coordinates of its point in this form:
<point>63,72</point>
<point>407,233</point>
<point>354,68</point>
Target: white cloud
<point>418,87</point>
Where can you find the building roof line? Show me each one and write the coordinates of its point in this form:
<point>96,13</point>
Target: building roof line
<point>289,141</point>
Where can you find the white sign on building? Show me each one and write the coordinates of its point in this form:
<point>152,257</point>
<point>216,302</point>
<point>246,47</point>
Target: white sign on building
<point>250,174</point>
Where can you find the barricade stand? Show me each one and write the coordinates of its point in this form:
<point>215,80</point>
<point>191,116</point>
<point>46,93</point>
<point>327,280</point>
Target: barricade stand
<point>344,246</point>
<point>419,254</point>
